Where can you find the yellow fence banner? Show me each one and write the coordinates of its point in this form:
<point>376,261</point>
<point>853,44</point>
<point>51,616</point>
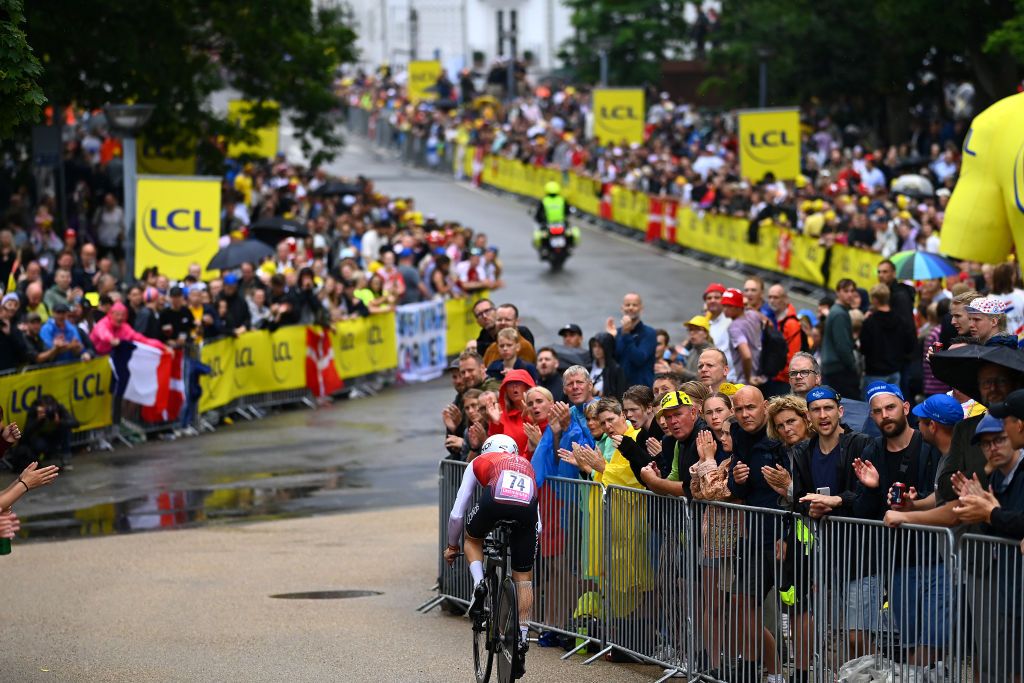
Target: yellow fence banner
<point>769,143</point>
<point>364,345</point>
<point>619,115</point>
<point>856,264</point>
<point>423,77</point>
<point>239,113</point>
<point>177,223</point>
<point>83,388</point>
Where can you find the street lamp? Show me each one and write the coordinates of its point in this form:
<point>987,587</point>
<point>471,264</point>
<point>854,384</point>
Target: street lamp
<point>127,121</point>
<point>603,44</point>
<point>763,55</point>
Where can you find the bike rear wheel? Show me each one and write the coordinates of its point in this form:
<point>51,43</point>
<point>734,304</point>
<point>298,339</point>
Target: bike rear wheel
<point>507,631</point>
<point>483,640</point>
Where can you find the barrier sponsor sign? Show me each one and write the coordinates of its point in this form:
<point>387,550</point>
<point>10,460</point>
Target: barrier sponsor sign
<point>83,388</point>
<point>422,79</point>
<point>769,143</point>
<point>177,223</point>
<point>619,115</point>
<point>239,113</point>
<point>364,345</point>
<point>421,331</point>
<point>255,362</point>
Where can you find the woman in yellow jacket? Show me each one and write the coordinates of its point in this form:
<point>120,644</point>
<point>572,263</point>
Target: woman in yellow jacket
<point>629,570</point>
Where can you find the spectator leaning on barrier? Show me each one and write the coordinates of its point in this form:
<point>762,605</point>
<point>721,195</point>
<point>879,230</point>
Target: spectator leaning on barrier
<point>838,362</point>
<point>60,335</point>
<point>567,426</point>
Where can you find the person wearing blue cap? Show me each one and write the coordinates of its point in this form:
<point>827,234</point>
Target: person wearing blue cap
<point>937,416</point>
<point>1000,511</point>
<point>824,483</point>
<point>902,465</point>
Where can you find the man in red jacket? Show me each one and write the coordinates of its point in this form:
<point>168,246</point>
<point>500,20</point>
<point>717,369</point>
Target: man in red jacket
<point>788,324</point>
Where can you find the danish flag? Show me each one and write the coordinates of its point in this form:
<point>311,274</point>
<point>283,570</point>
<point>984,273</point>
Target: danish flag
<point>321,375</point>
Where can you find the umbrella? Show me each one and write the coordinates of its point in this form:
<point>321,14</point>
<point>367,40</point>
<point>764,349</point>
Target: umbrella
<point>273,230</point>
<point>922,265</point>
<point>237,253</point>
<point>335,188</point>
<point>913,185</point>
<point>959,367</point>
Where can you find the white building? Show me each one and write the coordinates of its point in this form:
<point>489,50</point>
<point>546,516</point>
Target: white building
<point>452,31</point>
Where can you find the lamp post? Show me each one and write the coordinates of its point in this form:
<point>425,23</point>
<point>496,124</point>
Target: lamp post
<point>127,121</point>
<point>763,55</point>
<point>603,44</point>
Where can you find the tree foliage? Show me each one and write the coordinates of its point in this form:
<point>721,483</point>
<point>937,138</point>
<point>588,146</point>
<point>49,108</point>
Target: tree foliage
<point>21,98</point>
<point>175,54</point>
<point>642,33</point>
<point>871,57</point>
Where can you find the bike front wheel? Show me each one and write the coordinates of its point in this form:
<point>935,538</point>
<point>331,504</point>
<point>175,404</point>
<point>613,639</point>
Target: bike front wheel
<point>507,627</point>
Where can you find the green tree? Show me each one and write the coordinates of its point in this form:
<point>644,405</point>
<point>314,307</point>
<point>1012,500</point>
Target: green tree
<point>175,54</point>
<point>21,98</point>
<point>865,56</point>
<point>643,34</point>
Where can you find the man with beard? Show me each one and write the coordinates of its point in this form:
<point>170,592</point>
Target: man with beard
<point>901,457</point>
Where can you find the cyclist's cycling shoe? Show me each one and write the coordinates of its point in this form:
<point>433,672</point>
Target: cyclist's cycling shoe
<point>520,670</point>
<point>476,606</point>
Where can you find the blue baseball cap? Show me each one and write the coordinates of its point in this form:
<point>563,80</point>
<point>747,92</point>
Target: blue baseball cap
<point>822,392</point>
<point>231,279</point>
<point>990,424</point>
<point>940,408</point>
<point>879,388</point>
<point>809,314</point>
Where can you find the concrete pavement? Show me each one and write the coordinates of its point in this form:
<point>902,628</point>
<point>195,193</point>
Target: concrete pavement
<point>194,605</point>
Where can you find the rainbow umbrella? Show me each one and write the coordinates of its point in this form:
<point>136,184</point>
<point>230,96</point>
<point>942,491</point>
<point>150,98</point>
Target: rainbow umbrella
<point>922,265</point>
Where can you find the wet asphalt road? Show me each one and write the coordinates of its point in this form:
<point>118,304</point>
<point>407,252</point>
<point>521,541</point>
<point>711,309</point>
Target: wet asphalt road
<point>374,452</point>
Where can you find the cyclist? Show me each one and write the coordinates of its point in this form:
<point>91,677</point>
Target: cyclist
<point>509,495</point>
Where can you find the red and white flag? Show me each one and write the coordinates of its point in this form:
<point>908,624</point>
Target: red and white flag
<point>655,218</point>
<point>671,209</point>
<point>170,393</point>
<point>321,375</point>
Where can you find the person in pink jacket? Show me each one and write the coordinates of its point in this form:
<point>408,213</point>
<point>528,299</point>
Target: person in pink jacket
<point>113,329</point>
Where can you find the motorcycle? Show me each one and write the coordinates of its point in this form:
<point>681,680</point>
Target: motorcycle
<point>554,243</point>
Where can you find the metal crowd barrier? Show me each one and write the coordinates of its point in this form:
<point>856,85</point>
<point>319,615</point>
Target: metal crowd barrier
<point>725,592</point>
<point>990,646</point>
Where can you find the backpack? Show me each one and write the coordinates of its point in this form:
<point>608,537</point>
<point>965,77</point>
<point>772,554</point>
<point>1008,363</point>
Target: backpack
<point>774,351</point>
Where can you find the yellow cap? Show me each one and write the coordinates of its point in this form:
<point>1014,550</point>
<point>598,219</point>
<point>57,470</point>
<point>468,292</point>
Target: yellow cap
<point>673,400</point>
<point>830,215</point>
<point>729,389</point>
<point>902,201</point>
<point>864,201</point>
<point>699,321</point>
<point>818,205</point>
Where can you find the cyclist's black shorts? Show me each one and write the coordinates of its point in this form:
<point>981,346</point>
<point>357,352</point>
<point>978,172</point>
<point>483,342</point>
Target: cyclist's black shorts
<point>523,543</point>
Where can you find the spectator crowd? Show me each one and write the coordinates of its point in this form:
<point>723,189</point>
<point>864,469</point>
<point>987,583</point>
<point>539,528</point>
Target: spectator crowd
<point>901,405</point>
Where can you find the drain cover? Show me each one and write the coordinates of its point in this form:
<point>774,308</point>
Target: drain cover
<point>326,595</point>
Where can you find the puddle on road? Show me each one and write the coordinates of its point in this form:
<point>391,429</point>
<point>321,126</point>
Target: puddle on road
<point>186,508</point>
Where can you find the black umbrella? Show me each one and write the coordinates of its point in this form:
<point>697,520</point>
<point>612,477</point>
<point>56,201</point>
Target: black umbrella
<point>237,253</point>
<point>959,367</point>
<point>334,188</point>
<point>273,230</point>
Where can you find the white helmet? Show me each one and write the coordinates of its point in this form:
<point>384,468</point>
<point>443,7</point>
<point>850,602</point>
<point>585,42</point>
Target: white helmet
<point>500,443</point>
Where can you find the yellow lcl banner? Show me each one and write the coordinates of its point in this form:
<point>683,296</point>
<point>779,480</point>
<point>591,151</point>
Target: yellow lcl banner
<point>619,115</point>
<point>364,345</point>
<point>254,362</point>
<point>266,137</point>
<point>83,388</point>
<point>769,143</point>
<point>177,223</point>
<point>422,78</point>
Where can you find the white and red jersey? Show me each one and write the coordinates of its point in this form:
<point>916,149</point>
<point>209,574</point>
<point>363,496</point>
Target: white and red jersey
<point>510,477</point>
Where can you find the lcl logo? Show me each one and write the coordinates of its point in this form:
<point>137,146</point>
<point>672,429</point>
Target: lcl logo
<point>621,112</point>
<point>770,138</point>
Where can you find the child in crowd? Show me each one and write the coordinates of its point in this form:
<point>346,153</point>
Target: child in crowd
<point>508,350</point>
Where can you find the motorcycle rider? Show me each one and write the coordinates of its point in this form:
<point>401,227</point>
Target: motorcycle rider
<point>553,209</point>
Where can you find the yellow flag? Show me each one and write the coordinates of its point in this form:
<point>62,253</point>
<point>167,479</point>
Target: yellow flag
<point>422,79</point>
